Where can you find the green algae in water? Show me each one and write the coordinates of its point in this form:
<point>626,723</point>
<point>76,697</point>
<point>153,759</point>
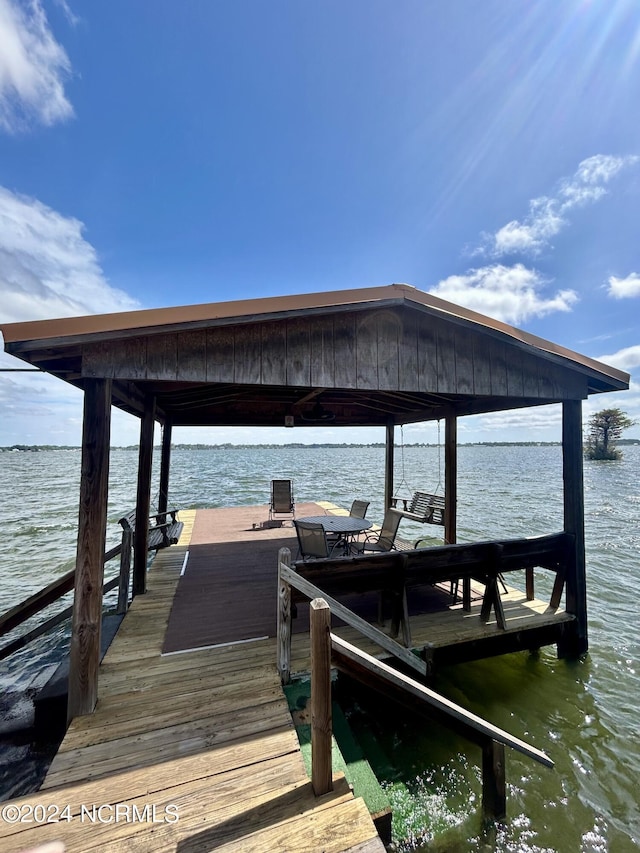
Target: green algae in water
<point>429,815</point>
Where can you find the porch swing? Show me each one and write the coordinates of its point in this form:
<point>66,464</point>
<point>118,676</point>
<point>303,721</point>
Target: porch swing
<point>423,507</point>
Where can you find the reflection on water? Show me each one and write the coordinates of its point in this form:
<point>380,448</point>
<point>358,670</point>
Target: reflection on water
<point>583,714</point>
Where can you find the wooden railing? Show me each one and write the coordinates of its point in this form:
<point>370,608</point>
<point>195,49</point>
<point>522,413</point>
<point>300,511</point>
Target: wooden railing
<point>39,601</point>
<point>326,646</point>
<point>166,530</point>
<point>397,571</point>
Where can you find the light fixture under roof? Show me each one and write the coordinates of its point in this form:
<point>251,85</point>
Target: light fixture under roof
<point>318,415</point>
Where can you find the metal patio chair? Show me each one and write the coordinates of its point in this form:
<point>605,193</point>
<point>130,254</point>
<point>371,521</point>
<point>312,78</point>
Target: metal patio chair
<point>359,509</point>
<point>384,539</point>
<point>313,543</point>
<point>281,501</point>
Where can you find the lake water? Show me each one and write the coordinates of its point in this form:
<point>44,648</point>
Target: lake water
<point>584,714</point>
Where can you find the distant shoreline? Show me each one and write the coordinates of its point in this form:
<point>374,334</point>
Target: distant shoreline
<point>35,448</point>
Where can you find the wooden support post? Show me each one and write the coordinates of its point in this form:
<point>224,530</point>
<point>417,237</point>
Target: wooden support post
<point>321,721</point>
<point>165,464</point>
<point>575,640</point>
<point>530,584</point>
<point>89,573</point>
<point>451,499</point>
<point>143,500</point>
<point>494,786</point>
<point>125,571</point>
<point>388,464</point>
<point>284,620</point>
<point>450,479</point>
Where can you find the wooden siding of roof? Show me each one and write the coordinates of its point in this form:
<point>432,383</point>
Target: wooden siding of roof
<point>389,349</point>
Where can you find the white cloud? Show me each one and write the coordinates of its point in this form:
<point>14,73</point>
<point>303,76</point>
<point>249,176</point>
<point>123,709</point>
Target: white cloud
<point>622,288</point>
<point>512,294</point>
<point>624,359</point>
<point>33,67</point>
<point>47,268</point>
<point>548,214</point>
<point>538,418</point>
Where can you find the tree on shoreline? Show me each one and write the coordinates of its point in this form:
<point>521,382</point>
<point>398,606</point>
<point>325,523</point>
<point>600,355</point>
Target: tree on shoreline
<point>605,428</point>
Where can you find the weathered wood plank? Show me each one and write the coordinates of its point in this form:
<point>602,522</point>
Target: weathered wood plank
<point>389,334</point>
<point>515,378</point>
<point>530,367</point>
<point>247,354</point>
<point>215,792</point>
<point>298,352</point>
<point>253,702</point>
<point>481,365</point>
<point>162,357</point>
<point>322,353</point>
<point>221,768</point>
<point>274,353</point>
<point>220,354</point>
<point>344,340</point>
<point>130,359</point>
<point>446,365</point>
<point>367,351</point>
<point>427,355</point>
<point>408,352</point>
<point>499,371</point>
<point>467,353</point>
<point>192,356</point>
<point>98,360</point>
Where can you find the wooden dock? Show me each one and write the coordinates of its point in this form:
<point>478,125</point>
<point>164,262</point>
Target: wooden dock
<point>186,752</point>
<point>191,746</point>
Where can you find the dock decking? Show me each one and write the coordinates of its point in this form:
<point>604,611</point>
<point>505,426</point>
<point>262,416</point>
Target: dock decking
<point>192,738</point>
<point>205,736</point>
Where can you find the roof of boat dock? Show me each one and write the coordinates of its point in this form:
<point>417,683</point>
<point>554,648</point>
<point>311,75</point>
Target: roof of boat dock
<point>313,356</point>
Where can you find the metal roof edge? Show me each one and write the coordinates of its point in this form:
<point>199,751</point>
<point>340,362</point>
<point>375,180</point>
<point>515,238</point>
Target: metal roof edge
<point>146,320</point>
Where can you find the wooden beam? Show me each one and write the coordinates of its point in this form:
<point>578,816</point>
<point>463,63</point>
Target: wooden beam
<point>423,699</point>
<point>165,465</point>
<point>370,631</point>
<point>575,641</point>
<point>92,525</point>
<point>143,500</point>
<point>321,720</point>
<point>388,465</point>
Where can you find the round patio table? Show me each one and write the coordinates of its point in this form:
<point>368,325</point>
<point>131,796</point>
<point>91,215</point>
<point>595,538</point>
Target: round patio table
<point>346,525</point>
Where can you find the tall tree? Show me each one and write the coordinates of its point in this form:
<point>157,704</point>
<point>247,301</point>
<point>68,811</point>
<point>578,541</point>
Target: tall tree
<point>605,428</point>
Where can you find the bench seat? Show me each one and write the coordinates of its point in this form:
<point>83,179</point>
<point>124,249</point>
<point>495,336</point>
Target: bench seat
<point>423,508</point>
<point>160,533</point>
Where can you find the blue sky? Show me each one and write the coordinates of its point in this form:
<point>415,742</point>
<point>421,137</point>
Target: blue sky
<point>162,153</point>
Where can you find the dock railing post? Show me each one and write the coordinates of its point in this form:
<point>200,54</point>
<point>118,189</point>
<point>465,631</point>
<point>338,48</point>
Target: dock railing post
<point>321,721</point>
<point>284,619</point>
